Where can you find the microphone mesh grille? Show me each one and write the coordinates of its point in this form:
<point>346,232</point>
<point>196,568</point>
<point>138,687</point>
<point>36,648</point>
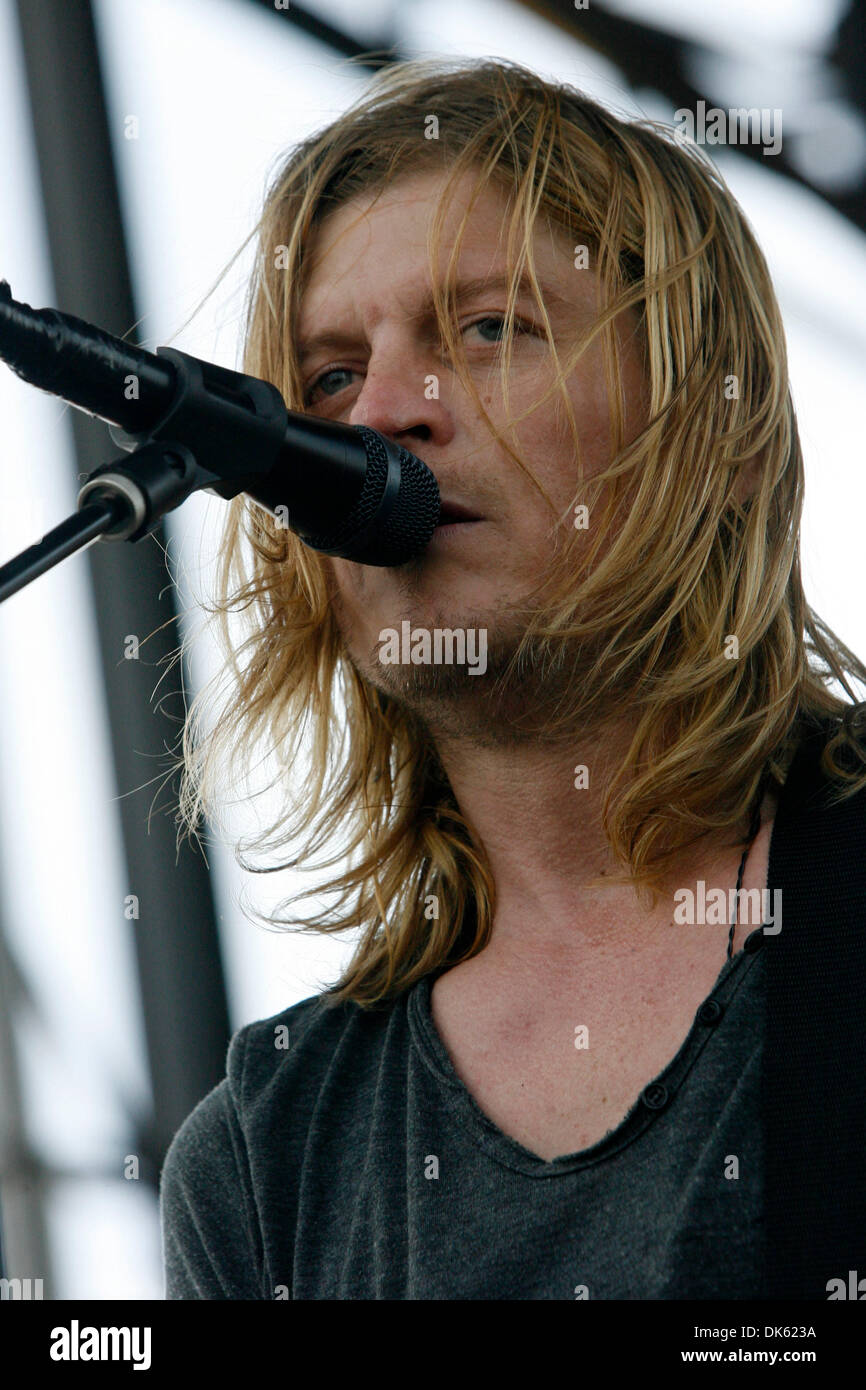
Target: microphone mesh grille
<point>411,522</point>
<point>412,519</point>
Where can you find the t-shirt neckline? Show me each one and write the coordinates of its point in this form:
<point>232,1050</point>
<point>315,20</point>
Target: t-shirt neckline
<point>656,1098</point>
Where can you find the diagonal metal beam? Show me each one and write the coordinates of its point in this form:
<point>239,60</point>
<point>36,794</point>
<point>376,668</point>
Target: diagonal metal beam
<point>649,57</point>
<point>374,56</point>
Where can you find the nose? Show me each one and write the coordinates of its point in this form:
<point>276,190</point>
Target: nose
<point>400,396</point>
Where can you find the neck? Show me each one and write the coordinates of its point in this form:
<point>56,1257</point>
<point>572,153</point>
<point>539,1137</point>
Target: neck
<point>544,839</point>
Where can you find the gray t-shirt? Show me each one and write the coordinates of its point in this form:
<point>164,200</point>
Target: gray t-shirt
<point>353,1163</point>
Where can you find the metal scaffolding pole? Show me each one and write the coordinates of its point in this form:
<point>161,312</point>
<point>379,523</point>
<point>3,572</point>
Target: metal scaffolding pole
<point>24,1247</point>
<point>180,970</point>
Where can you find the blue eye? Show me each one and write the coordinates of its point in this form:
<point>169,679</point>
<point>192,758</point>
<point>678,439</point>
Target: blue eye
<point>496,321</point>
<point>500,321</point>
<point>319,380</point>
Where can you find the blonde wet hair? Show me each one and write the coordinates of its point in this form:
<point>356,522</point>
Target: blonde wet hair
<point>688,565</point>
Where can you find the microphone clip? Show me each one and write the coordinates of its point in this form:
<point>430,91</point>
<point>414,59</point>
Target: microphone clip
<point>236,422</point>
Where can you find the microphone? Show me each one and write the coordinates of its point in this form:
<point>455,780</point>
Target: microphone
<point>345,490</point>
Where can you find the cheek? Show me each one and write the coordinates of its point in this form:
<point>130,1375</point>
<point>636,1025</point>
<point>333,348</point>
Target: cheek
<point>335,574</point>
<point>341,591</point>
<point>352,594</point>
<point>549,427</point>
<point>548,438</point>
<point>346,581</point>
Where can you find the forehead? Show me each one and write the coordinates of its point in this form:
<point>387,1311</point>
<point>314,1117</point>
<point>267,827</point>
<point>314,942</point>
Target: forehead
<point>376,246</point>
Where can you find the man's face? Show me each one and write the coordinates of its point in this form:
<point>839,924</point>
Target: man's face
<point>369,288</point>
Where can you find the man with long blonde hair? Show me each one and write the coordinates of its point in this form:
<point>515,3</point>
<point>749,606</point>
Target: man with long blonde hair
<point>567,860</point>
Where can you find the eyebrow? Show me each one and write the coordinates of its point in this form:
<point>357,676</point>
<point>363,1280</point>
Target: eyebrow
<point>466,288</point>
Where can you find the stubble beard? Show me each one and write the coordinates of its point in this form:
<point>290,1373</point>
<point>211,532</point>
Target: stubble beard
<point>518,699</point>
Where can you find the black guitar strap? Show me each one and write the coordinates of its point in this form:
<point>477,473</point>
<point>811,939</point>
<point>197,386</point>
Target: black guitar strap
<point>814,1102</point>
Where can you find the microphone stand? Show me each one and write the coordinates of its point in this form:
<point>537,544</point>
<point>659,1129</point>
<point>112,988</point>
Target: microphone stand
<point>191,424</point>
<point>127,498</point>
<point>123,500</point>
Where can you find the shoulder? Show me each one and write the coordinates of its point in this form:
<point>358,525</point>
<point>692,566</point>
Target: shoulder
<point>209,1238</point>
<point>214,1136</point>
<point>248,1136</point>
<point>291,1052</point>
<point>295,1051</point>
<point>259,1049</point>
